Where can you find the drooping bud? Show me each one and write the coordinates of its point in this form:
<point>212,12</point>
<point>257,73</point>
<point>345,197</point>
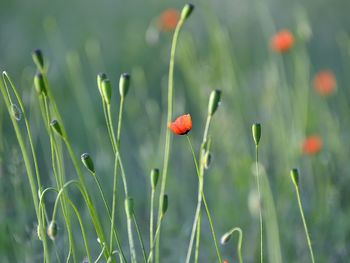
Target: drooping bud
<point>106,88</point>
<point>56,127</point>
<point>100,78</point>
<point>186,11</point>
<point>165,204</point>
<point>38,59</point>
<point>52,230</point>
<point>225,238</point>
<point>16,112</point>
<point>88,163</point>
<point>207,160</point>
<point>294,174</point>
<point>154,178</point>
<point>124,83</point>
<point>256,130</point>
<point>214,101</point>
<point>129,206</point>
<point>39,83</point>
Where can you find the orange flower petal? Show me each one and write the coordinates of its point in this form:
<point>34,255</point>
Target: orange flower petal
<point>312,145</point>
<point>325,82</point>
<point>182,125</point>
<point>168,19</point>
<point>282,41</point>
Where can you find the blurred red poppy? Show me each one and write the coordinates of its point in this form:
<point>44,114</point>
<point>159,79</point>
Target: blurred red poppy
<point>225,261</point>
<point>325,82</point>
<point>168,19</point>
<point>282,41</point>
<point>312,145</point>
<point>182,125</point>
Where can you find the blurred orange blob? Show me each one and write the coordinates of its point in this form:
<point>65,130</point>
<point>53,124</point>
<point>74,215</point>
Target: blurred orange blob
<point>325,82</point>
<point>312,145</point>
<point>168,19</point>
<point>282,41</point>
<point>225,261</point>
<point>182,125</point>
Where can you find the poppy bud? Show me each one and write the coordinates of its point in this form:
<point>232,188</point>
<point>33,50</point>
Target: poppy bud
<point>129,206</point>
<point>106,89</point>
<point>56,127</point>
<point>38,59</point>
<point>207,160</point>
<point>39,83</point>
<point>256,130</point>
<point>225,238</point>
<point>186,11</point>
<point>214,101</point>
<point>16,112</point>
<point>124,83</point>
<point>52,230</point>
<point>165,204</point>
<point>88,163</point>
<point>154,178</point>
<point>294,174</point>
<point>100,78</point>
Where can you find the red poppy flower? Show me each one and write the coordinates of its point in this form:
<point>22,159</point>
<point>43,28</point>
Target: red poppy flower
<point>282,41</point>
<point>182,125</point>
<point>169,19</point>
<point>325,82</point>
<point>225,261</point>
<point>312,145</point>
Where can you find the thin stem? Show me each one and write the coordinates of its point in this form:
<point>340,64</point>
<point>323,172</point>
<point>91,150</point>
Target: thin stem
<point>131,240</point>
<point>107,123</point>
<point>305,225</point>
<point>30,175</point>
<point>168,134</point>
<point>239,243</point>
<point>198,236</point>
<point>260,202</point>
<point>114,200</point>
<point>155,237</point>
<point>114,230</point>
<point>204,199</point>
<point>151,220</point>
<point>140,238</point>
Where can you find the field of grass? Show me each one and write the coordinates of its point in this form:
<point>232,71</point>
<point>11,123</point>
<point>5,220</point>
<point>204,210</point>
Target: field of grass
<point>295,85</point>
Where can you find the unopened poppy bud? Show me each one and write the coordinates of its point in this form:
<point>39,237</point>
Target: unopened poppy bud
<point>186,11</point>
<point>129,206</point>
<point>214,101</point>
<point>207,160</point>
<point>124,83</point>
<point>16,112</point>
<point>294,174</point>
<point>52,230</point>
<point>88,163</point>
<point>39,83</point>
<point>38,58</point>
<point>100,78</point>
<point>225,238</point>
<point>56,127</point>
<point>106,88</point>
<point>256,130</point>
<point>165,204</point>
<point>154,178</point>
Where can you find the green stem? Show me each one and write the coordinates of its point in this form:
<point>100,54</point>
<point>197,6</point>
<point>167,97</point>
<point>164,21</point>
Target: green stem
<point>155,237</point>
<point>168,134</point>
<point>305,225</point>
<point>239,244</point>
<point>140,238</point>
<point>259,193</point>
<point>30,175</point>
<point>151,220</point>
<point>204,199</point>
<point>114,230</point>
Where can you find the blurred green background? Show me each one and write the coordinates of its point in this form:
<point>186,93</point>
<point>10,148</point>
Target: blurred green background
<point>224,44</point>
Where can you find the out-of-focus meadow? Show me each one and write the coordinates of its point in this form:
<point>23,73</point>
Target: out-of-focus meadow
<point>225,45</point>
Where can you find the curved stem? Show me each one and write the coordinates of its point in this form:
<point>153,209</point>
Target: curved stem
<point>305,225</point>
<point>169,117</point>
<point>239,244</point>
<point>260,203</point>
